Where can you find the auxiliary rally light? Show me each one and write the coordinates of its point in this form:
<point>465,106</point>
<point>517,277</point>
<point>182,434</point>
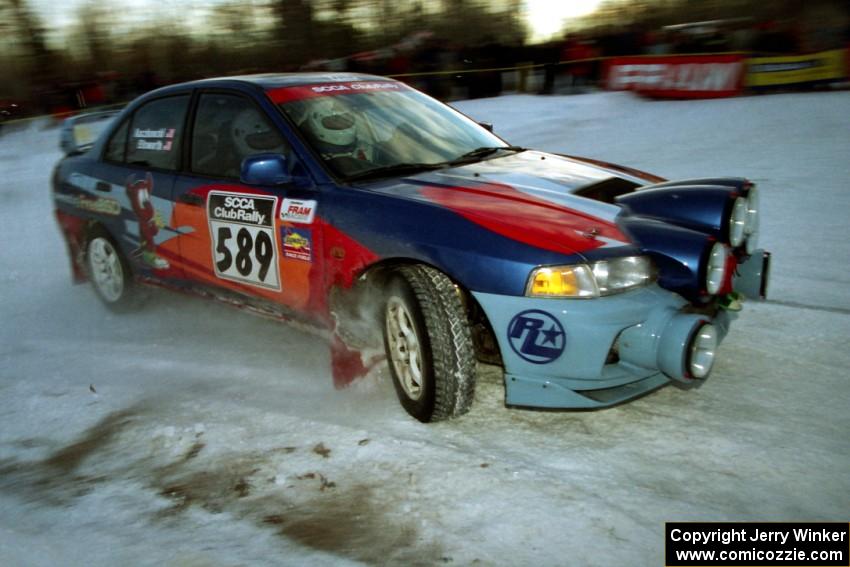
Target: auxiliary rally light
<point>702,352</point>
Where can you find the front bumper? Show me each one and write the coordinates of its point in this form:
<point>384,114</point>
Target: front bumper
<point>594,353</point>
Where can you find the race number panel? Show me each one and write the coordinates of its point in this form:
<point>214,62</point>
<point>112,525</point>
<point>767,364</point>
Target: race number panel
<point>244,247</point>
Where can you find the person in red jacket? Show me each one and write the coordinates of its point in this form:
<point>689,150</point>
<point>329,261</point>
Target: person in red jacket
<point>579,50</point>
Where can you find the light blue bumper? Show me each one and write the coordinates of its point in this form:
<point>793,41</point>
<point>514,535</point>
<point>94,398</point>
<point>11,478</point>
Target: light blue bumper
<point>593,353</point>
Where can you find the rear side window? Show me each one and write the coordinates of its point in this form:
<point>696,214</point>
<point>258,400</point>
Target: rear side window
<point>156,130</point>
<point>229,128</point>
<point>117,144</point>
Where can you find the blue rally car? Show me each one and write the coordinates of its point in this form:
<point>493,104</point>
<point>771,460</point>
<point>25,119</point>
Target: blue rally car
<point>363,207</point>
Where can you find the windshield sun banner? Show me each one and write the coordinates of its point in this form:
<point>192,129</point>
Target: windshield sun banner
<point>288,94</point>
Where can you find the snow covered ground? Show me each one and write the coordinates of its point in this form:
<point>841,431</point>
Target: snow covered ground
<point>192,434</point>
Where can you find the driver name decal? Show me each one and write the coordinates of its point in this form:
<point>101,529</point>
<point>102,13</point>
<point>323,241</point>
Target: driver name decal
<point>244,244</point>
<point>156,140</point>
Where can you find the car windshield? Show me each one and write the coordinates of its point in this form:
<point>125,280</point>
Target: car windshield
<point>369,128</point>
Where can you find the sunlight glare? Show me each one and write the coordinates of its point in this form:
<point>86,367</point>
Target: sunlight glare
<point>546,18</point>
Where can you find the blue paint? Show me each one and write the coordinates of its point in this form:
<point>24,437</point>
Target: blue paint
<point>677,252</point>
<point>265,169</point>
<point>704,208</point>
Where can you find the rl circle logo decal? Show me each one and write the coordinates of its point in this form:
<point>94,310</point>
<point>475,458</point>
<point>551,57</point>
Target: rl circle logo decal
<point>536,336</point>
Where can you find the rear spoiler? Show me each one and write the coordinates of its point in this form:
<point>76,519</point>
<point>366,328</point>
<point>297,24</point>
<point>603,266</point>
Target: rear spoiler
<point>79,133</point>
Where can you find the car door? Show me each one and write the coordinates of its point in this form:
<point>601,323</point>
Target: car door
<point>239,236</point>
<point>137,170</point>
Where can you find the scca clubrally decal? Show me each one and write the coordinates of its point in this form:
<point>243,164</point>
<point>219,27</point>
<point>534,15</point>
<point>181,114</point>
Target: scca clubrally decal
<point>244,246</point>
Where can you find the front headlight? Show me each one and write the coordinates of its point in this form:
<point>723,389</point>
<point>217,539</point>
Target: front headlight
<point>738,222</point>
<point>715,269</point>
<point>703,351</point>
<point>590,280</point>
<point>562,281</point>
<point>752,225</point>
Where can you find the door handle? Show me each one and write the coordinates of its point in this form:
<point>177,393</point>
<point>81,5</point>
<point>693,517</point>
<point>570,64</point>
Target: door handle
<point>191,199</point>
<point>103,186</point>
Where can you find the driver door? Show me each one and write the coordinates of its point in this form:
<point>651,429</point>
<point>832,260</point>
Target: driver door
<point>236,238</point>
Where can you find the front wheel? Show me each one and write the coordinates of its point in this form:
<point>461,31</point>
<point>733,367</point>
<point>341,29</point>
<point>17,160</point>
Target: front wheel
<point>109,273</point>
<point>428,344</point>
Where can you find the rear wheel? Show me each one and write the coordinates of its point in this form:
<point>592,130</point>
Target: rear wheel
<point>428,344</point>
<point>109,273</point>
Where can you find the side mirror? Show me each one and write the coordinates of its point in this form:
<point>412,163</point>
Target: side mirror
<point>486,125</point>
<point>265,169</point>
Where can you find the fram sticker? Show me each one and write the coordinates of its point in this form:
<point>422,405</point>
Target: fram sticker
<point>297,243</point>
<point>296,210</point>
<point>536,336</point>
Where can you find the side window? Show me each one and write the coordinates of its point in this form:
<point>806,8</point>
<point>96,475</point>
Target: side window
<point>156,131</point>
<point>228,128</point>
<point>117,145</point>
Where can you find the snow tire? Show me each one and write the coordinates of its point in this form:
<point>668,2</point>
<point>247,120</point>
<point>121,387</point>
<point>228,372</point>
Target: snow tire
<point>428,344</point>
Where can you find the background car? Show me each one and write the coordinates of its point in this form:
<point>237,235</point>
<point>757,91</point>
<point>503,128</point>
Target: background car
<point>364,207</point>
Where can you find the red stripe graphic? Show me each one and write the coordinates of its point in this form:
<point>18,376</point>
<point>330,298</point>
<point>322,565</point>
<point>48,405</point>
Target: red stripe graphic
<point>525,218</point>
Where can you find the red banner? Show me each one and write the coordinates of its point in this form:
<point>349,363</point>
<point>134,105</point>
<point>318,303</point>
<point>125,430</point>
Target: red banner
<point>677,76</point>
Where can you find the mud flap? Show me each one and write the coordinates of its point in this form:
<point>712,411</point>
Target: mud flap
<point>349,364</point>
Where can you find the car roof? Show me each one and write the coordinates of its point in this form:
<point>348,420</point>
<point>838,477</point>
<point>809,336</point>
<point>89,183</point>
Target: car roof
<point>264,81</point>
<point>277,80</point>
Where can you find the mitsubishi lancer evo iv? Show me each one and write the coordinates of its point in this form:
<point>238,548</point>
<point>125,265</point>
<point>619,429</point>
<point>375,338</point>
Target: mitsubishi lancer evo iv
<point>360,206</point>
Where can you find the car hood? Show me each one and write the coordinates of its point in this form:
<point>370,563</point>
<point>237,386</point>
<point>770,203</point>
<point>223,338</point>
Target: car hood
<point>528,197</point>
